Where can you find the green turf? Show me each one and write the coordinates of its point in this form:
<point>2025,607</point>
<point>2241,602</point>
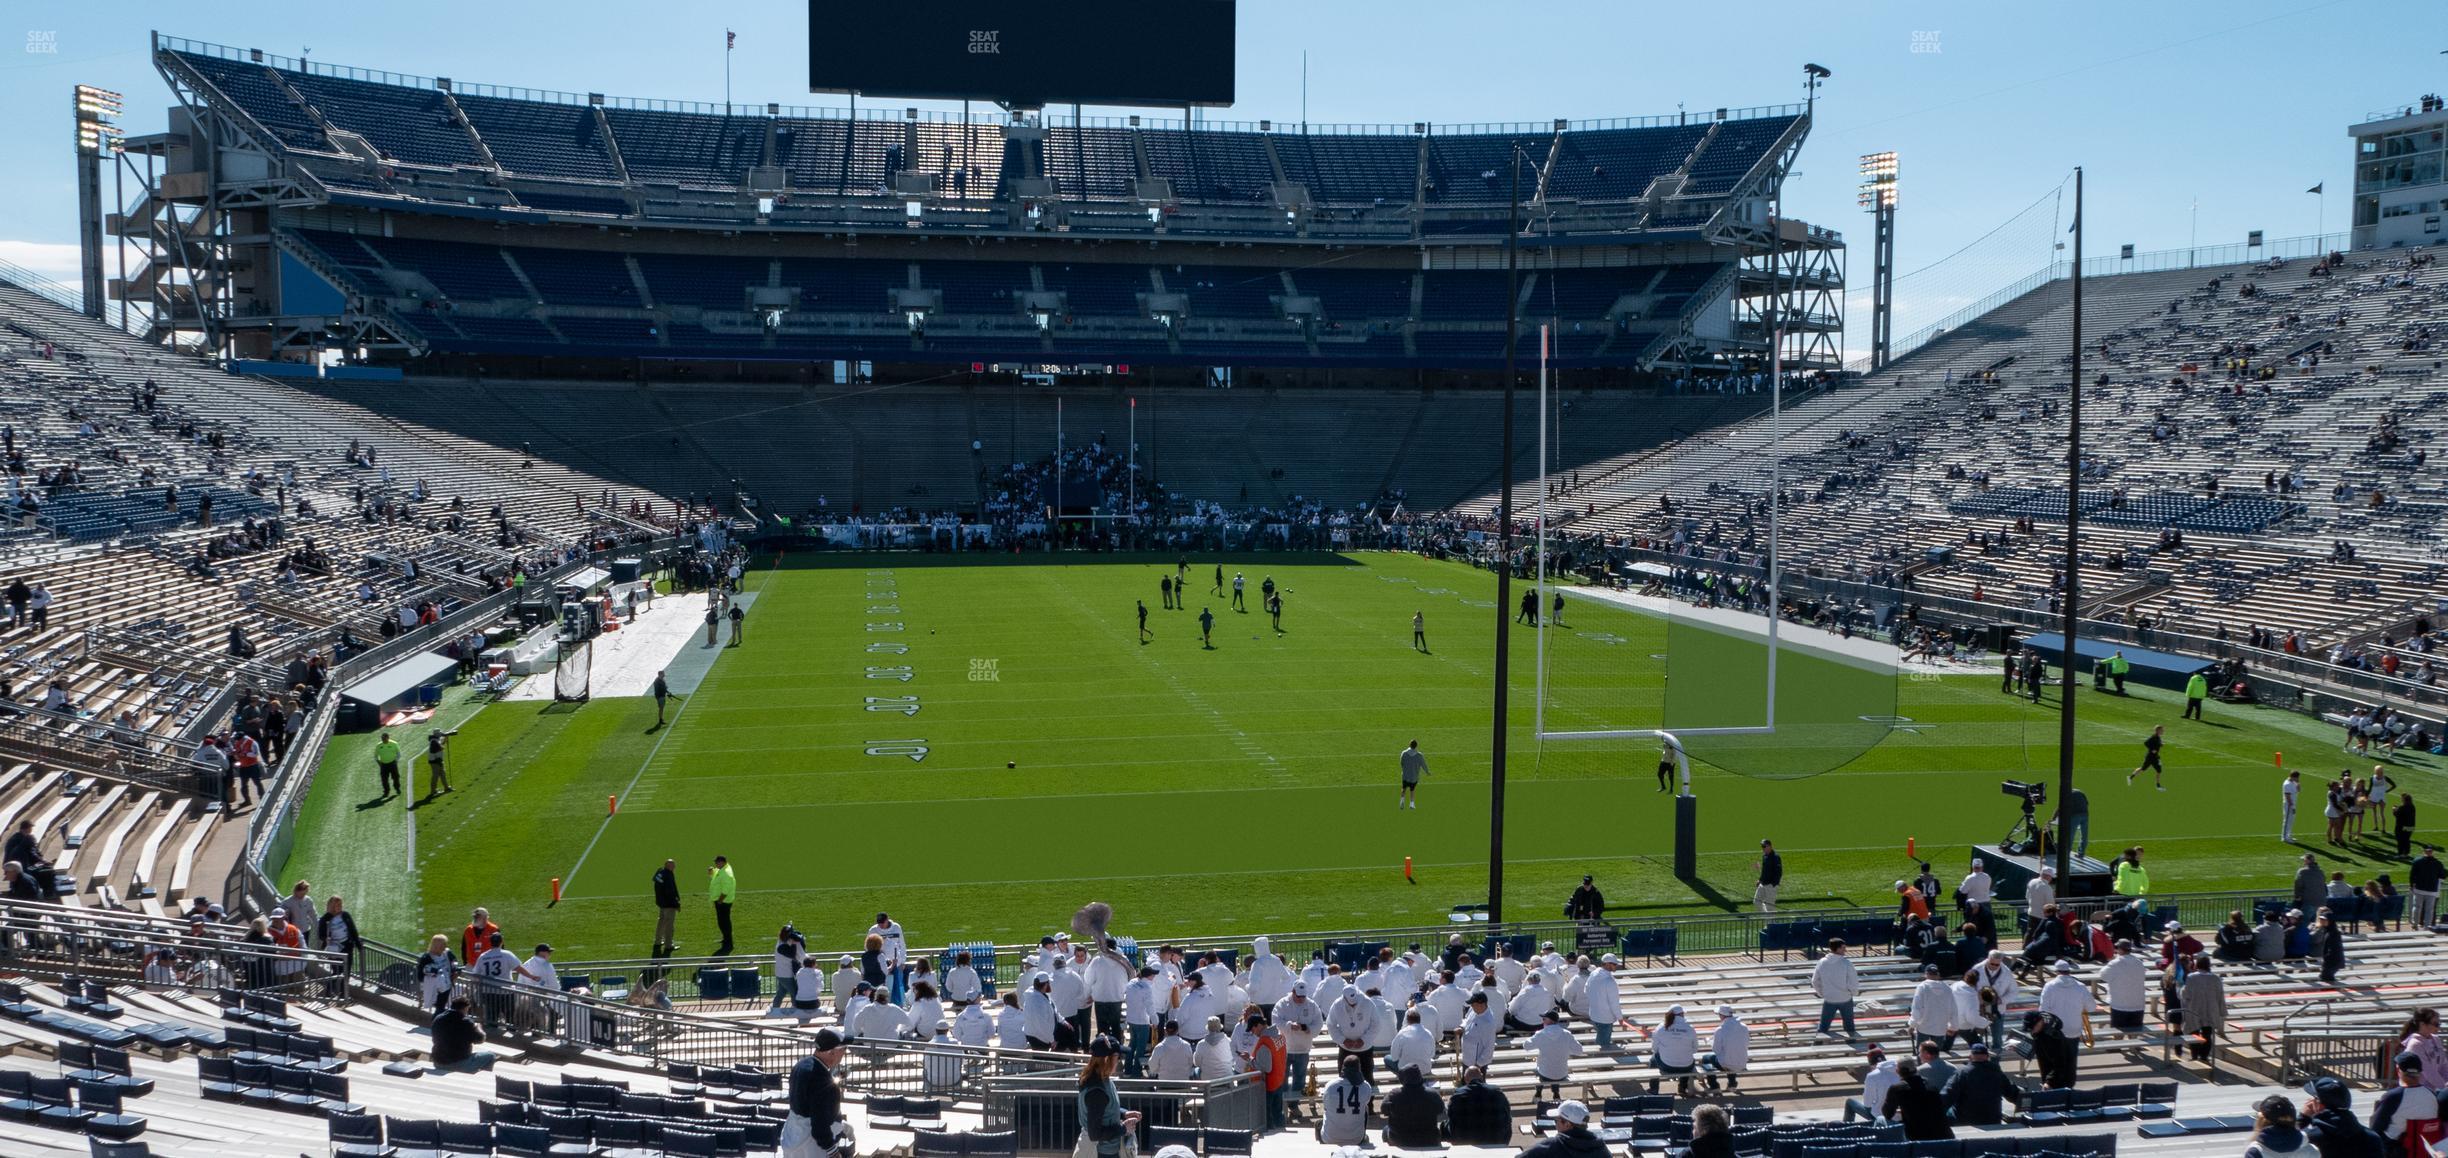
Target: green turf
<point>1245,787</point>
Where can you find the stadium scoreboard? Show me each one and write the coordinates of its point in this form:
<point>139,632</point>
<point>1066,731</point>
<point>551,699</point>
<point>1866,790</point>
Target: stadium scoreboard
<point>1102,52</point>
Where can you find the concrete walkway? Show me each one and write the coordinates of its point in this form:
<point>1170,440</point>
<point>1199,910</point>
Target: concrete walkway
<point>668,637</point>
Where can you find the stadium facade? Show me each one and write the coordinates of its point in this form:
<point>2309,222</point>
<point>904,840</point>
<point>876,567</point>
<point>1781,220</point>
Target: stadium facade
<point>304,211</point>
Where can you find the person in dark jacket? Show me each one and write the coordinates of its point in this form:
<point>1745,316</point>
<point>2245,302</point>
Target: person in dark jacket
<point>667,908</point>
<point>2274,1132</point>
<point>2405,825</point>
<point>1414,1115</point>
<point>815,1124</point>
<point>1712,1133</point>
<point>455,1038</point>
<point>1916,1106</point>
<point>2052,1050</point>
<point>2329,946</point>
<point>1478,1114</point>
<point>1572,1137</point>
<point>1587,903</point>
<point>2328,1120</point>
<point>2234,939</point>
<point>1977,1093</point>
<point>2423,879</point>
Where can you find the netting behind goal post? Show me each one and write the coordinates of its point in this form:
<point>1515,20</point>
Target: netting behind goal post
<point>1698,655</point>
<point>571,673</point>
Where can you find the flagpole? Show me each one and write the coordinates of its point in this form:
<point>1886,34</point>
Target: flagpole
<point>729,37</point>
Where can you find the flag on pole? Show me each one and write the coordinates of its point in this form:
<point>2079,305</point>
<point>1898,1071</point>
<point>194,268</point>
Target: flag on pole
<point>2316,188</point>
<point>730,40</point>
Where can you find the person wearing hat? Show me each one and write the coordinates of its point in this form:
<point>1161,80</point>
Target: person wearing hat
<point>1554,1047</point>
<point>2328,1121</point>
<point>667,908</point>
<point>2126,977</point>
<point>1143,1008</point>
<point>1572,1137</point>
<point>1602,1000</point>
<point>1479,1031</point>
<point>1104,1124</point>
<point>722,888</point>
<point>2038,894</point>
<point>2053,1051</point>
<point>1037,1016</point>
<point>815,1126</point>
<point>1977,887</point>
<point>941,1069</point>
<point>1879,1078</point>
<point>1729,1049</point>
<point>544,1004</point>
<point>1343,1118</point>
<point>1910,903</point>
<point>2275,1132</point>
<point>2408,1110</point>
<point>1300,1019</point>
<point>1349,1021</point>
<point>845,981</point>
<point>1933,1009</point>
<point>1674,1050</point>
<point>1215,1059</point>
<point>1171,1059</point>
<point>1533,1002</point>
<point>1978,1093</point>
<point>1587,903</point>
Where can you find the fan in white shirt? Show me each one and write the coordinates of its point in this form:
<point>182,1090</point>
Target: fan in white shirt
<point>1554,1046</point>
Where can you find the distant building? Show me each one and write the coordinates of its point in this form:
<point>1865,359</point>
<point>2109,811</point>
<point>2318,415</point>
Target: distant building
<point>2400,188</point>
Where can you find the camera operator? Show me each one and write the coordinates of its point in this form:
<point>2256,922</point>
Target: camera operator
<point>437,743</point>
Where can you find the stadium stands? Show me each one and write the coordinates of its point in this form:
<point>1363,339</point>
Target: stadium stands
<point>1890,468</point>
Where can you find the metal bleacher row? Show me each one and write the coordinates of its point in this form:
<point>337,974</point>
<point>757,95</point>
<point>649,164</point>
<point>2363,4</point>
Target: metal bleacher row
<point>1920,455</point>
<point>216,1070</point>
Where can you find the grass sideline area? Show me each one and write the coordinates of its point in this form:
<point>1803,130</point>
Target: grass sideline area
<point>1243,788</point>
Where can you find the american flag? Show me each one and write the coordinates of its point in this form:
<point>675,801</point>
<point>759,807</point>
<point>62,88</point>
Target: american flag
<point>730,40</point>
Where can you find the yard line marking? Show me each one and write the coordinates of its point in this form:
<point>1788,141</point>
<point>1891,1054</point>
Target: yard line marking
<point>668,729</point>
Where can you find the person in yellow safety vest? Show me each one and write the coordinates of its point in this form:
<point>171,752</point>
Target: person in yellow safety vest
<point>386,761</point>
<point>2131,879</point>
<point>2197,689</point>
<point>2118,665</point>
<point>722,887</point>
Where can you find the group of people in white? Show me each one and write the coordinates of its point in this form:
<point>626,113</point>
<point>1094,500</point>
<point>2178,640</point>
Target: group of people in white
<point>1176,1015</point>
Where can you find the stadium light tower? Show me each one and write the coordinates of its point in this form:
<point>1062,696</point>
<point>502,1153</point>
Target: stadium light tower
<point>97,136</point>
<point>1878,195</point>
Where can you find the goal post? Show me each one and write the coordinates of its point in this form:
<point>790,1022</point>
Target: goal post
<point>571,672</point>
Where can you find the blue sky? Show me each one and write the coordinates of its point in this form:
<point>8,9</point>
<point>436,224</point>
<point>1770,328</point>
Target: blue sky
<point>2239,106</point>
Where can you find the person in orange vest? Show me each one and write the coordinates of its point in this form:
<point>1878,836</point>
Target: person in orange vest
<point>1913,904</point>
<point>1267,1058</point>
<point>478,936</point>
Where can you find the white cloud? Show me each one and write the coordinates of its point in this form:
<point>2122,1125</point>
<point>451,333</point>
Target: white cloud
<point>43,258</point>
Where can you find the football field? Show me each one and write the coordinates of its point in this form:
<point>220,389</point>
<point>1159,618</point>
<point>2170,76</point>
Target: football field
<point>982,744</point>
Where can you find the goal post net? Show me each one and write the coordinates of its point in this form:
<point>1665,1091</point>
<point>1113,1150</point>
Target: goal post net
<point>1697,635</point>
<point>571,672</point>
